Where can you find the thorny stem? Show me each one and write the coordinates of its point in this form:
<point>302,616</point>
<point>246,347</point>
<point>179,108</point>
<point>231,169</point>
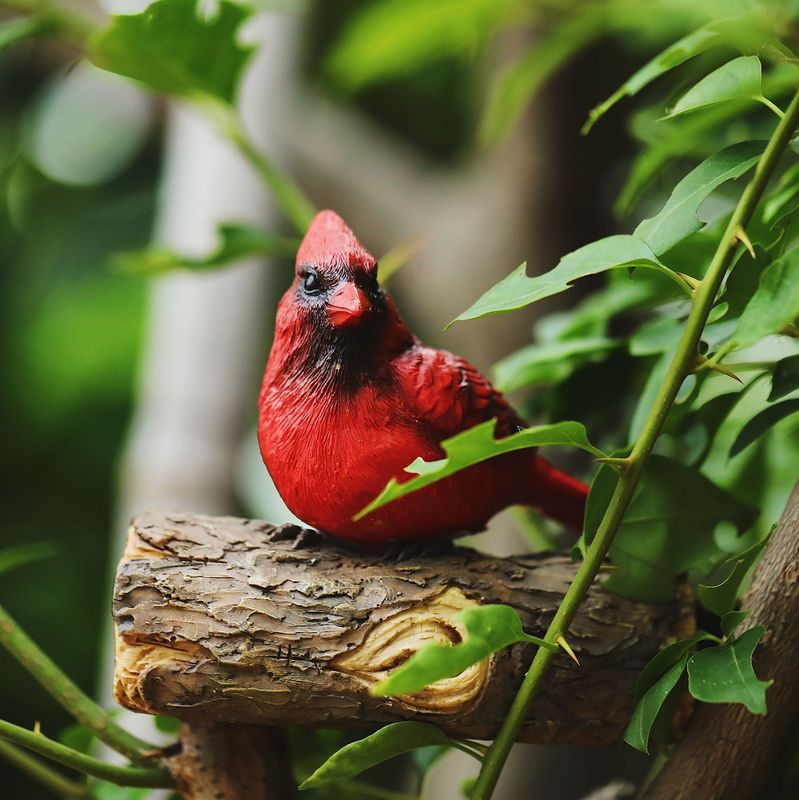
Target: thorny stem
<point>679,368</point>
<point>40,772</point>
<point>156,777</point>
<point>62,688</point>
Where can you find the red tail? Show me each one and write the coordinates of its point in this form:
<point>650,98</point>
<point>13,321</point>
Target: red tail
<point>558,495</point>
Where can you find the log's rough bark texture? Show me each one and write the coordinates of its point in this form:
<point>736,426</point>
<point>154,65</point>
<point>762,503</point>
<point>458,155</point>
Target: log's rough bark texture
<point>229,620</point>
<point>728,753</point>
<point>232,762</point>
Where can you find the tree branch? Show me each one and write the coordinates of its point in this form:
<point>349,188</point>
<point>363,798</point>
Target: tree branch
<point>728,752</point>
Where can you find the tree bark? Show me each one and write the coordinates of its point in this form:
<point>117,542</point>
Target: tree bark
<point>222,619</point>
<point>728,753</point>
<point>232,762</point>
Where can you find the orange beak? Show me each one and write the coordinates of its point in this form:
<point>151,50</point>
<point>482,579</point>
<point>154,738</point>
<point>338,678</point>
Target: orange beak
<point>347,306</point>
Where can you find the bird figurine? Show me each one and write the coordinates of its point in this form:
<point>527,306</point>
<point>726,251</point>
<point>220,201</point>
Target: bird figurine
<point>351,397</point>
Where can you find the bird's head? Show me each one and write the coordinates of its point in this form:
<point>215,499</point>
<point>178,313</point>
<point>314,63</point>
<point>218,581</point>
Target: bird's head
<point>336,277</point>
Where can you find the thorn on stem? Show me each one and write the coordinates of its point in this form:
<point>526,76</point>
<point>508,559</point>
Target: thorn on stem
<point>705,363</point>
<point>561,640</point>
<point>742,237</point>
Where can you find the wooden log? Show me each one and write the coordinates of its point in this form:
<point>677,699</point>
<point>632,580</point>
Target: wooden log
<point>229,620</point>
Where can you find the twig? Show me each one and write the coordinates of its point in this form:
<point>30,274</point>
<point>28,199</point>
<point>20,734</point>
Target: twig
<point>47,777</point>
<point>156,777</point>
<point>293,203</point>
<point>680,366</point>
<point>62,688</point>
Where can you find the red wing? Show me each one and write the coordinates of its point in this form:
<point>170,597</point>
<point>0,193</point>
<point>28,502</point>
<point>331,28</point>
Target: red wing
<point>449,394</point>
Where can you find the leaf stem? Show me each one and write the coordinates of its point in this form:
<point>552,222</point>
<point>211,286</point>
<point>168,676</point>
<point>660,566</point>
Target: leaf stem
<point>66,692</point>
<point>47,777</point>
<point>156,777</point>
<point>773,106</point>
<point>293,203</point>
<point>679,368</point>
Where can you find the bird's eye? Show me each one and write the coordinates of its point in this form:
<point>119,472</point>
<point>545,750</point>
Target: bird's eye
<point>311,283</point>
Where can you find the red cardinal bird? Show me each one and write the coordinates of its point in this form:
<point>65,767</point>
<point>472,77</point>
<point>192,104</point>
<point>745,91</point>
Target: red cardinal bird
<point>350,397</point>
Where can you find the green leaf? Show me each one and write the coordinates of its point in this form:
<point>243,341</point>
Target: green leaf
<point>720,598</point>
<point>737,79</point>
<point>19,555</point>
<point>678,217</point>
<point>646,712</point>
<point>392,38</point>
<point>663,661</point>
<point>488,629</point>
<point>762,423</point>
<point>785,378</point>
<point>668,529</point>
<point>176,48</point>
<point>691,45</point>
<point>519,290</point>
<point>549,363</point>
<point>478,444</point>
<point>725,674</point>
<point>731,620</point>
<point>390,741</point>
<point>774,305</point>
<point>236,242</point>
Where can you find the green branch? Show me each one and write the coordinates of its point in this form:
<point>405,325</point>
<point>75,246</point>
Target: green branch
<point>681,364</point>
<point>62,688</point>
<point>293,203</point>
<point>47,777</point>
<point>156,777</point>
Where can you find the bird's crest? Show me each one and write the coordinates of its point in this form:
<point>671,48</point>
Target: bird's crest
<point>330,242</point>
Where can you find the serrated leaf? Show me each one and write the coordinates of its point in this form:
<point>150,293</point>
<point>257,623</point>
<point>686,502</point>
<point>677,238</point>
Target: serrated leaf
<point>236,241</point>
<point>388,742</point>
<point>736,80</point>
<point>19,555</point>
<point>175,48</point>
<point>648,707</point>
<point>668,529</point>
<point>678,217</point>
<point>549,363</point>
<point>774,305</point>
<point>785,378</point>
<point>731,620</point>
<point>391,38</point>
<point>478,444</point>
<point>691,45</point>
<point>724,674</point>
<point>488,629</point>
<point>519,290</point>
<point>663,661</point>
<point>762,423</point>
<point>720,598</point>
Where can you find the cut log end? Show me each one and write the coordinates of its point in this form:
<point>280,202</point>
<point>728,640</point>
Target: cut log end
<point>229,620</point>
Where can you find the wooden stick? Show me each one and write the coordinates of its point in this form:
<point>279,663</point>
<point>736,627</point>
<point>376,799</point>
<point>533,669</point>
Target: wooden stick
<point>223,619</point>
